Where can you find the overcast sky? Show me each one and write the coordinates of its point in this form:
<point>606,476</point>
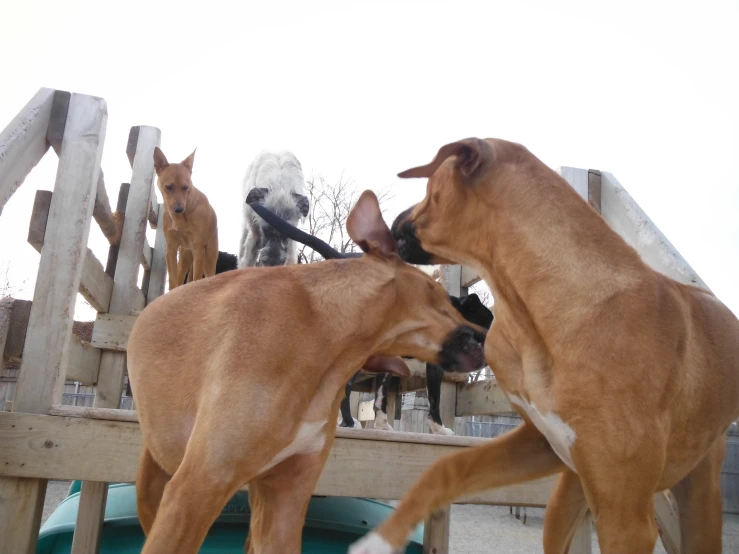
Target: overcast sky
<point>646,90</point>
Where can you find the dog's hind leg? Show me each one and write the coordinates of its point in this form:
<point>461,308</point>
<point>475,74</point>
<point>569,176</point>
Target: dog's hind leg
<point>565,511</point>
<point>434,376</point>
<point>520,455</point>
<point>699,503</point>
<point>279,502</point>
<point>150,482</point>
<point>383,389</point>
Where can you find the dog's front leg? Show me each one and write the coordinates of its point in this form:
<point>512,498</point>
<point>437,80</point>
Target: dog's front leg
<point>171,256</point>
<point>515,457</point>
<point>198,263</point>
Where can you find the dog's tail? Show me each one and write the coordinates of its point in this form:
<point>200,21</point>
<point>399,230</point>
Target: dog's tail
<point>292,232</point>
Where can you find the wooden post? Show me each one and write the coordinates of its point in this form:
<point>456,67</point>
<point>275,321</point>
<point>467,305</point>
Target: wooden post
<point>23,143</point>
<point>582,542</point>
<point>45,354</point>
<point>125,298</point>
<point>158,273</point>
<point>436,528</point>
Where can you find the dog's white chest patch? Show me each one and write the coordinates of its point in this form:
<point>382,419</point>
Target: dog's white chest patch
<point>560,436</point>
<point>310,438</point>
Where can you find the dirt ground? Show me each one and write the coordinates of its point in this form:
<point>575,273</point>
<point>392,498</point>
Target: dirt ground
<point>475,529</point>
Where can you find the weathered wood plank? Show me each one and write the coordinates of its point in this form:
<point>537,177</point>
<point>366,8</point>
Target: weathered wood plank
<point>83,363</point>
<point>113,250</point>
<point>90,514</point>
<point>668,521</point>
<point>111,332</point>
<point>23,143</point>
<point>16,336</point>
<point>577,178</point>
<point>53,447</point>
<point>582,542</point>
<point>95,286</point>
<point>111,223</point>
<point>158,274</point>
<point>482,398</point>
<point>146,255</point>
<point>46,350</point>
<point>469,276</point>
<point>142,141</point>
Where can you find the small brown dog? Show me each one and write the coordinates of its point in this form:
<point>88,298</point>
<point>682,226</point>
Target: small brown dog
<point>207,395</point>
<point>190,223</point>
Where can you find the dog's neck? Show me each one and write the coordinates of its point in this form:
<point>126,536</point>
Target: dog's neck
<point>538,262</point>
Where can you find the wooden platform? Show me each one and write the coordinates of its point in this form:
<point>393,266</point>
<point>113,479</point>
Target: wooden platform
<point>58,447</point>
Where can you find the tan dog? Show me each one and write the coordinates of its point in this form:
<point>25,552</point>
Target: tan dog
<point>207,394</point>
<point>190,224</point>
<point>626,380</point>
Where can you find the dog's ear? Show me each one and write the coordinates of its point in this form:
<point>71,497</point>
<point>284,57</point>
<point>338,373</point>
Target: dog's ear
<point>383,364</point>
<point>189,161</point>
<point>256,195</point>
<point>367,228</point>
<point>160,160</point>
<point>302,203</point>
<point>474,155</point>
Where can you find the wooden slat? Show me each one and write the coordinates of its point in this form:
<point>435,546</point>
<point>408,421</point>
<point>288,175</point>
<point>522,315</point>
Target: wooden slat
<point>23,143</point>
<point>668,521</point>
<point>142,141</point>
<point>594,188</point>
<point>158,274</point>
<point>146,255</point>
<point>111,223</point>
<point>582,542</point>
<point>469,276</point>
<point>86,538</point>
<point>111,331</point>
<point>53,447</point>
<point>95,286</point>
<point>83,363</point>
<point>49,332</point>
<point>482,398</point>
<point>16,336</point>
<point>113,250</point>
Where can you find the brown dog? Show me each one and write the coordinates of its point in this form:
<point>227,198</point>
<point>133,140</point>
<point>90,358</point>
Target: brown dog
<point>206,394</point>
<point>626,380</point>
<point>190,224</point>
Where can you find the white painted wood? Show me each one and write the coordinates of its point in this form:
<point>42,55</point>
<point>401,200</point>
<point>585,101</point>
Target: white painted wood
<point>625,217</point>
<point>577,178</point>
<point>668,521</point>
<point>23,143</point>
<point>54,447</point>
<point>124,298</point>
<point>582,542</point>
<point>366,411</point>
<point>96,286</point>
<point>451,278</point>
<point>158,275</point>
<point>46,350</point>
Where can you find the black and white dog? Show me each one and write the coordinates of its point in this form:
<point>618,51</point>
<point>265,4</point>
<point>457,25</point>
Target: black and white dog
<point>469,306</point>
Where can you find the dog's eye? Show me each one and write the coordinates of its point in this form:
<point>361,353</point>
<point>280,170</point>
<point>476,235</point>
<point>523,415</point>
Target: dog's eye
<point>169,187</point>
<point>184,189</point>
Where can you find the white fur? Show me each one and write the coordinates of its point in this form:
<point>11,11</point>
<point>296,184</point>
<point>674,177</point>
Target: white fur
<point>559,434</point>
<point>282,174</point>
<point>371,543</point>
<point>381,423</point>
<point>437,429</point>
<point>310,438</point>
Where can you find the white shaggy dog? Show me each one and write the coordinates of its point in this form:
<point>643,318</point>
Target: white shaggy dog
<point>275,180</point>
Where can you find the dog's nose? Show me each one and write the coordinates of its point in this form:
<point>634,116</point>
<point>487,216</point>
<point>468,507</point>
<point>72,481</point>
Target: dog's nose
<point>463,350</point>
<point>179,209</point>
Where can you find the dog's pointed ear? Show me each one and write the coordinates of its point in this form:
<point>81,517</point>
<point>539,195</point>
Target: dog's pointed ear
<point>383,364</point>
<point>302,203</point>
<point>368,229</point>
<point>256,195</point>
<point>474,155</point>
<point>189,161</point>
<point>160,160</point>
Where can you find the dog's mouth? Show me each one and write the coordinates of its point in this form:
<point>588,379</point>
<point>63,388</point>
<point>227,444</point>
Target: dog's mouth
<point>409,247</point>
<point>463,351</point>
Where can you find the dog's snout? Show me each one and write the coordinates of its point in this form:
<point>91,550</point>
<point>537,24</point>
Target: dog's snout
<point>463,350</point>
<point>179,209</point>
<point>409,247</point>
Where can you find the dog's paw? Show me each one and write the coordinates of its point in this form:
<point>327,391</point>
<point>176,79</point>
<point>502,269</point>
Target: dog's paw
<point>371,543</point>
<point>383,426</point>
<point>437,429</point>
<point>356,425</point>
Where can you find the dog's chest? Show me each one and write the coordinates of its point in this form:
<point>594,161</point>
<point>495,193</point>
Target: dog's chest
<point>559,434</point>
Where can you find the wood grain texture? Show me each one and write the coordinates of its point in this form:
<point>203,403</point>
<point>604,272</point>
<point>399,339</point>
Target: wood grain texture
<point>482,398</point>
